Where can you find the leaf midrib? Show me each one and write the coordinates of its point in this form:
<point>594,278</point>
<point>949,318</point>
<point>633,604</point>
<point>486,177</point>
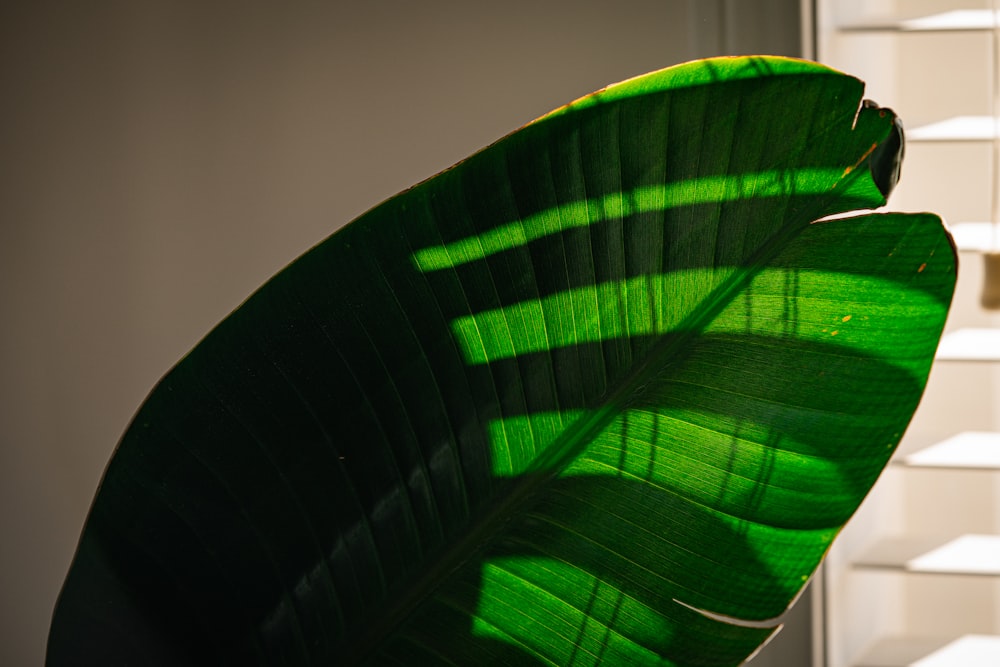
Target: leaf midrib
<point>483,529</point>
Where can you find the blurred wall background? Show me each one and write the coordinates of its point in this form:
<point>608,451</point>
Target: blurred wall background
<point>160,160</point>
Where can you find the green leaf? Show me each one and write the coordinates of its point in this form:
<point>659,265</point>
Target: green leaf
<point>603,393</point>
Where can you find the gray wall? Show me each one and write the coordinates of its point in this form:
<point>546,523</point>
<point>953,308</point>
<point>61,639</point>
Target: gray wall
<point>160,160</point>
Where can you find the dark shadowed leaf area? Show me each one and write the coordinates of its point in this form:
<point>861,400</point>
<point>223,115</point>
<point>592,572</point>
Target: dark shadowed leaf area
<point>601,394</point>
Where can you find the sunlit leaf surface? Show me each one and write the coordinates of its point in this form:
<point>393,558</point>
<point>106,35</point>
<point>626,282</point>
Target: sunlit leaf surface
<point>603,393</point>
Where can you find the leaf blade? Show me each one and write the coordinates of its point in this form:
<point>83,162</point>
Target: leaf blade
<point>372,460</point>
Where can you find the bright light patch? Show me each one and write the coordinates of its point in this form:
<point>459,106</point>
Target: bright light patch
<point>516,441</point>
<point>563,615</point>
<point>772,183</point>
<point>632,307</point>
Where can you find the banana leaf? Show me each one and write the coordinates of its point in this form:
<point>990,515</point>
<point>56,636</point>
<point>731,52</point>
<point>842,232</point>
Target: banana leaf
<point>602,393</point>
